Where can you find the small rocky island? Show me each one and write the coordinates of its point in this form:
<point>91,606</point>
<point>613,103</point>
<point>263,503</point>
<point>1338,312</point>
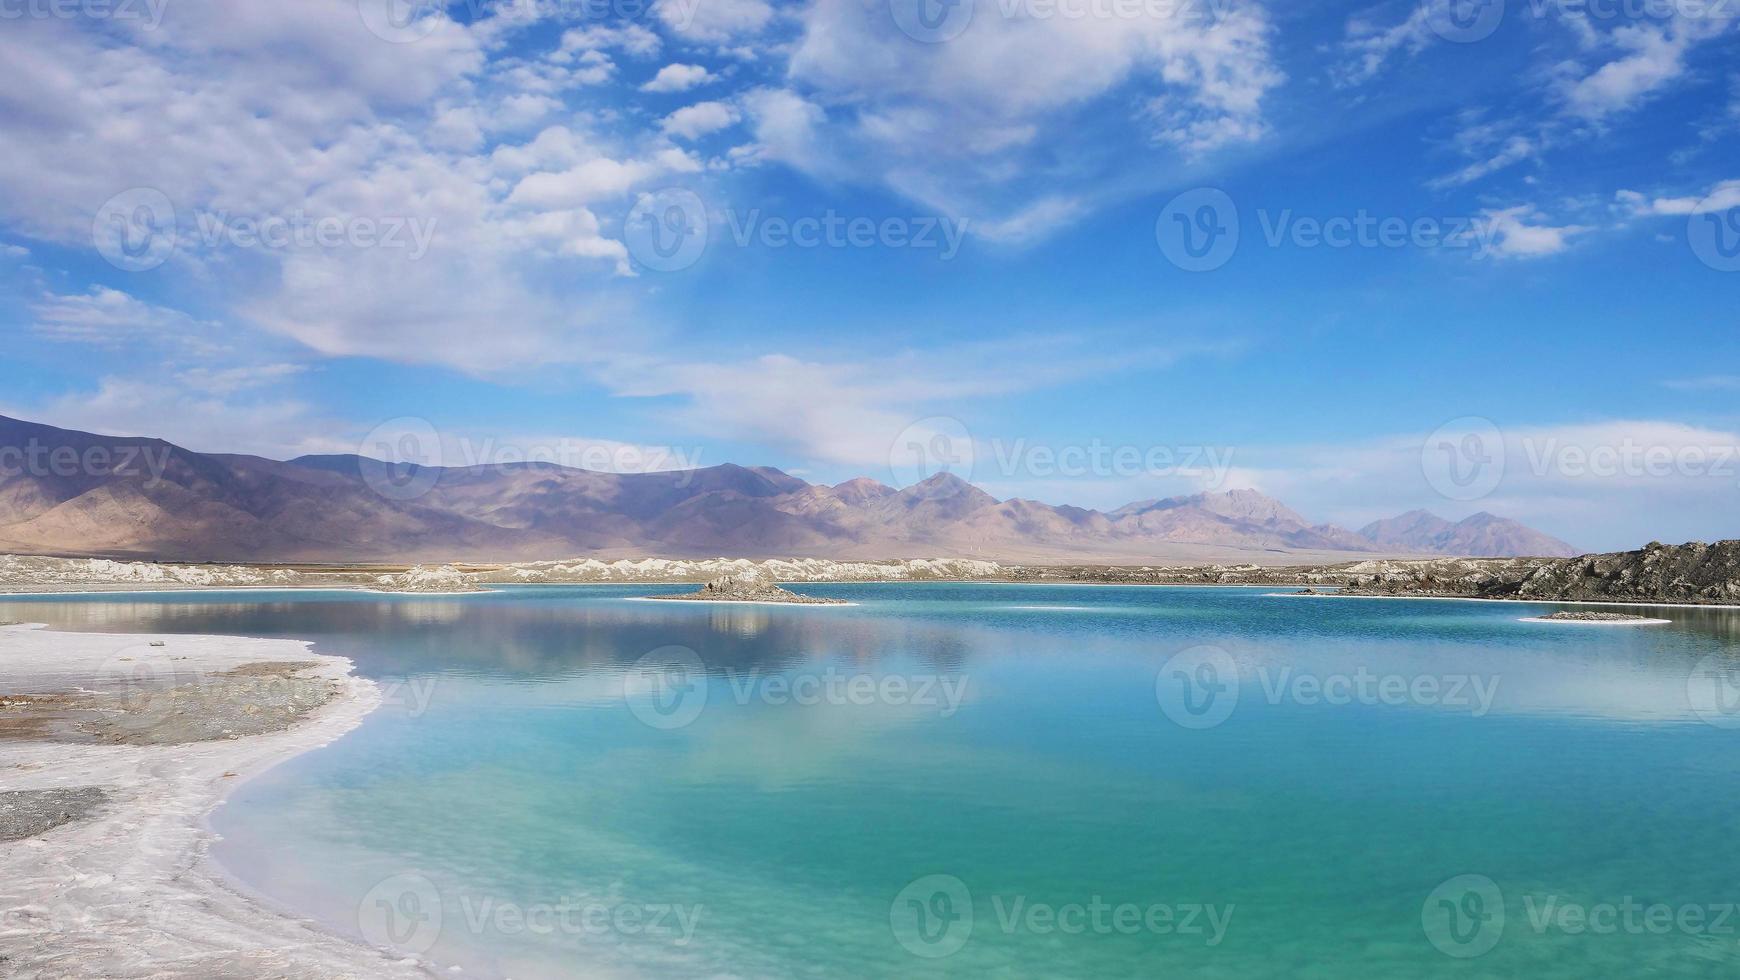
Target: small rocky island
<point>1583,616</point>
<point>752,585</point>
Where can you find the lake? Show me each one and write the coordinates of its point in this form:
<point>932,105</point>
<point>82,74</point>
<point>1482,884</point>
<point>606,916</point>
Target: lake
<point>998,780</point>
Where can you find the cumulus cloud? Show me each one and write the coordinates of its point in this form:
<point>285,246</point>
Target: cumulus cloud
<point>981,126</point>
<point>717,21</point>
<point>694,121</point>
<point>678,78</point>
<point>1654,56</point>
<point>1517,232</point>
<point>444,216</point>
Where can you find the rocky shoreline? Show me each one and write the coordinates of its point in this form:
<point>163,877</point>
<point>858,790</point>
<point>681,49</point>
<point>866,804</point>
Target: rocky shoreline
<point>1694,574</point>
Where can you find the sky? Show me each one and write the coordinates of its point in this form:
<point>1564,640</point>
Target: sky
<point>1466,255</point>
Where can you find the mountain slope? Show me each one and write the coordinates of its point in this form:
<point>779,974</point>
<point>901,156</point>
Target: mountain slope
<point>1480,535</point>
<point>148,498</point>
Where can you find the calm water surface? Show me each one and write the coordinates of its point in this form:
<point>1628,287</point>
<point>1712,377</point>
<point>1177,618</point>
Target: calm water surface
<point>1005,781</point>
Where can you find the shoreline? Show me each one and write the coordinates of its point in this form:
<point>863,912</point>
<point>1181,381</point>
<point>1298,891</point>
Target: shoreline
<point>129,886</point>
<point>1330,591</point>
<point>1513,602</point>
<point>1595,622</point>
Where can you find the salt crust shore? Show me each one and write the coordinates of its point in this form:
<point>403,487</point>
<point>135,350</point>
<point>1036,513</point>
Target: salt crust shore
<point>1595,622</point>
<point>1510,602</point>
<point>130,891</point>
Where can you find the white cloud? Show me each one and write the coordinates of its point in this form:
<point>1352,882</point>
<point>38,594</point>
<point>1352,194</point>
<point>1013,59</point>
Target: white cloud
<point>982,126</point>
<point>1369,46</point>
<point>1509,233</point>
<point>718,21</point>
<point>597,179</point>
<point>259,423</point>
<point>1602,485</point>
<point>870,401</point>
<point>1654,57</point>
<point>694,121</point>
<point>107,317</point>
<point>630,38</point>
<point>1491,153</point>
<point>1721,197</point>
<point>678,78</point>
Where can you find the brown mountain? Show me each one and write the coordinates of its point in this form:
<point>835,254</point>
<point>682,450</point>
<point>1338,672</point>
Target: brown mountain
<point>1480,535</point>
<point>74,493</point>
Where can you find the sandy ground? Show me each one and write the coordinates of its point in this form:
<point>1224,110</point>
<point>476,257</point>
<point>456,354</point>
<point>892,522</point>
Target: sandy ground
<point>113,750</point>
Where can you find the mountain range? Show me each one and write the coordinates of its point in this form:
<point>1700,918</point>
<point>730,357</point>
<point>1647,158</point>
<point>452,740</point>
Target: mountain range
<point>75,493</point>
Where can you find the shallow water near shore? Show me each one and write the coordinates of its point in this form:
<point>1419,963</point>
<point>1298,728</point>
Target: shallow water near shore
<point>960,779</point>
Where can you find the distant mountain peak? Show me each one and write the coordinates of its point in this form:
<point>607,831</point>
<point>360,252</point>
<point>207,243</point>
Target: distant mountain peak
<point>1479,535</point>
<point>337,507</point>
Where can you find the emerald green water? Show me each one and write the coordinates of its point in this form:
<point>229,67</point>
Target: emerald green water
<point>1003,781</point>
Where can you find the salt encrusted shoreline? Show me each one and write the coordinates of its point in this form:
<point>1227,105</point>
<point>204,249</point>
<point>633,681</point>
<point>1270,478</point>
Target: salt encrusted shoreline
<point>123,886</point>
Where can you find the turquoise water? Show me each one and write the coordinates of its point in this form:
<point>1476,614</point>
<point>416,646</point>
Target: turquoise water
<point>1005,781</point>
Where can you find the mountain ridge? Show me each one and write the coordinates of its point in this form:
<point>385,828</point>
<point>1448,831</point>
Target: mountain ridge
<point>173,503</point>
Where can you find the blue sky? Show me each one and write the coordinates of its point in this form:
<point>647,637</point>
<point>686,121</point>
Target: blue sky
<point>1548,191</point>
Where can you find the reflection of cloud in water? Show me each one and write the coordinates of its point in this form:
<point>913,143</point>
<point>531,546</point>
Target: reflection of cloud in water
<point>778,747</point>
